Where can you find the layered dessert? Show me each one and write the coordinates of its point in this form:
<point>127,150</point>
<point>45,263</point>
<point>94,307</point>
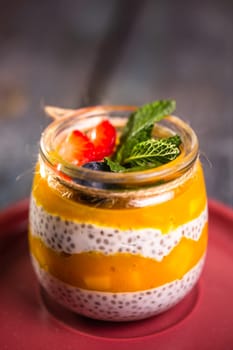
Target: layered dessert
<point>115,249</point>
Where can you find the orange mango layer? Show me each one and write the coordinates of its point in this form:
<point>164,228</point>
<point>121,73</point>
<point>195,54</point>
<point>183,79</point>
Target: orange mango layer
<point>188,202</point>
<point>121,272</point>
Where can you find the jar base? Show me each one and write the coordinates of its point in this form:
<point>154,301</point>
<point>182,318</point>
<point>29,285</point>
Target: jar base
<point>129,329</point>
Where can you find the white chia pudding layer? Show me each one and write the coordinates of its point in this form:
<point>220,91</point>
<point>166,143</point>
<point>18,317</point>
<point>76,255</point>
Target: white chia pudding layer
<point>71,237</point>
<point>118,306</point>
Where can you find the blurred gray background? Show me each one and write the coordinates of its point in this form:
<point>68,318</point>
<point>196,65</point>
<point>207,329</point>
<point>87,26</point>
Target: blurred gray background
<point>75,52</point>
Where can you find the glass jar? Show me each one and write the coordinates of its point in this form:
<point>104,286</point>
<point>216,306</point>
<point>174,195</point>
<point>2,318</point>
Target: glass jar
<point>117,246</point>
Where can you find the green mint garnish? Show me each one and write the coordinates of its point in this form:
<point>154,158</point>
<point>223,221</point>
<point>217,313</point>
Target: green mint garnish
<point>140,125</point>
<point>153,152</point>
<point>138,150</point>
<point>114,165</point>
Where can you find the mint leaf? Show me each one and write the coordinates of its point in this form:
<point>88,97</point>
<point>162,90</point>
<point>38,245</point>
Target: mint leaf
<point>176,140</point>
<point>114,165</point>
<point>153,152</point>
<point>138,168</point>
<point>147,115</point>
<point>140,125</point>
<point>117,168</point>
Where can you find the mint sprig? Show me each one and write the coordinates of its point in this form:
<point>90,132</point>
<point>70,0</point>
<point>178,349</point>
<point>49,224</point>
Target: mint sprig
<point>137,149</point>
<point>140,125</point>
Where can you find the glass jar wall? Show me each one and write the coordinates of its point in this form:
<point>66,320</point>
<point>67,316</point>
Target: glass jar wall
<point>117,246</point>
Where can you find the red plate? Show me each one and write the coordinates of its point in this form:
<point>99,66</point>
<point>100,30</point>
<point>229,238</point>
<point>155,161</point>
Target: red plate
<point>30,320</point>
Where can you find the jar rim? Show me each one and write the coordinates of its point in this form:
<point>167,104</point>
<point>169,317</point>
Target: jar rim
<point>165,172</point>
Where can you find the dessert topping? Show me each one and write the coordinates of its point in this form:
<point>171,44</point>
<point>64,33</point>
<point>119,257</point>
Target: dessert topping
<point>77,148</point>
<point>80,148</point>
<point>103,137</point>
<point>138,149</point>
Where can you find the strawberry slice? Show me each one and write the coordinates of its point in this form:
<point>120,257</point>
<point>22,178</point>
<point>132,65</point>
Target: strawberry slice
<point>77,148</point>
<point>103,137</point>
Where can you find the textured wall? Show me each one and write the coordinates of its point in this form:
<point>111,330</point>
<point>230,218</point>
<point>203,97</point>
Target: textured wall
<point>73,53</point>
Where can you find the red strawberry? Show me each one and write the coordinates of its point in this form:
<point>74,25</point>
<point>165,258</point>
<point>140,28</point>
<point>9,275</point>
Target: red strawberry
<point>103,137</point>
<point>77,148</point>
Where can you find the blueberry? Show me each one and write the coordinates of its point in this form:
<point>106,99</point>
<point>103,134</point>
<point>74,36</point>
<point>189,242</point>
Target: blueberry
<point>100,166</point>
